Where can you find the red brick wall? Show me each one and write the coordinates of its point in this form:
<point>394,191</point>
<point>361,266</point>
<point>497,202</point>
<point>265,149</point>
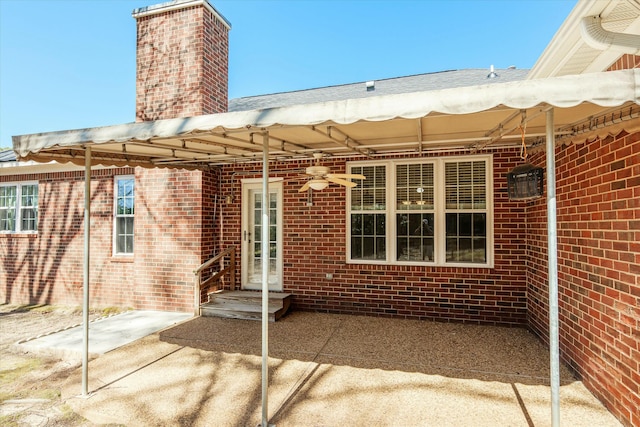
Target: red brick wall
<point>314,244</point>
<point>182,64</point>
<point>168,237</point>
<point>170,241</point>
<point>598,209</point>
<point>626,62</point>
<point>47,267</point>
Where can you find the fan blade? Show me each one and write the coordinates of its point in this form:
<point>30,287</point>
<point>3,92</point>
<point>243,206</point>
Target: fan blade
<point>346,175</point>
<point>341,181</point>
<point>304,188</point>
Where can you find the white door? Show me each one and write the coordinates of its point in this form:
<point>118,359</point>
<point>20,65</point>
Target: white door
<point>252,235</point>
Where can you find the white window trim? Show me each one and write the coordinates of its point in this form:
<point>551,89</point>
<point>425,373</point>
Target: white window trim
<point>18,207</point>
<point>114,242</point>
<point>439,212</point>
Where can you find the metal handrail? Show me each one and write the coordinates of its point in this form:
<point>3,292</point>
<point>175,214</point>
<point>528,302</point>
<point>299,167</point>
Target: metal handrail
<point>217,276</point>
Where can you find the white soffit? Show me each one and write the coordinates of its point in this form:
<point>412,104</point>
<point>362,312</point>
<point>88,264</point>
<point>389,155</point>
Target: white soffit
<point>568,53</point>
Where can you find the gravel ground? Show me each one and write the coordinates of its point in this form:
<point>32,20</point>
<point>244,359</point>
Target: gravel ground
<point>325,370</point>
<point>332,370</point>
<point>30,384</point>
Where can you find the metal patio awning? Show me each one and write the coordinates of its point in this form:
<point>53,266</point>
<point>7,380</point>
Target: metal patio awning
<point>565,109</point>
<point>468,118</point>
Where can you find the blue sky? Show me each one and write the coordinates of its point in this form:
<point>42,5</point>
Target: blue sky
<point>71,64</point>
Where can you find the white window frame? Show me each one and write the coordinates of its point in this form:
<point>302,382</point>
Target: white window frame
<point>116,216</point>
<point>439,212</point>
<point>18,208</point>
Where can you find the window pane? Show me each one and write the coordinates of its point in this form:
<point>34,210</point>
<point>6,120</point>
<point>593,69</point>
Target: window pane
<point>466,237</point>
<point>8,196</point>
<point>380,225</point>
<point>125,197</point>
<point>465,185</point>
<point>464,224</point>
<point>414,186</point>
<point>370,194</point>
<point>124,235</point>
<point>273,250</point>
<point>356,225</point>
<point>29,219</point>
<point>381,250</point>
<point>29,196</point>
<point>415,237</point>
<point>7,220</point>
<point>368,238</point>
<point>368,248</point>
<point>8,208</point>
<point>368,224</point>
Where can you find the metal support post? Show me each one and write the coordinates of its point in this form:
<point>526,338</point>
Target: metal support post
<point>265,280</point>
<point>87,258</point>
<point>552,254</point>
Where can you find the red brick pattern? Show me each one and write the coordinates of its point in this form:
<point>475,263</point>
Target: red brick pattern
<point>47,267</point>
<point>170,241</point>
<point>314,245</point>
<point>168,237</point>
<point>626,62</point>
<point>181,65</point>
<point>598,208</point>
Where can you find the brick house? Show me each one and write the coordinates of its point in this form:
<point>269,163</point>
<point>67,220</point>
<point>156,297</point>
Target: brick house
<point>431,233</point>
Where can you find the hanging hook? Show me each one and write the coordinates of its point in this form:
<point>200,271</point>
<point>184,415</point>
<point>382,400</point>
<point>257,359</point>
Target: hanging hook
<point>523,130</point>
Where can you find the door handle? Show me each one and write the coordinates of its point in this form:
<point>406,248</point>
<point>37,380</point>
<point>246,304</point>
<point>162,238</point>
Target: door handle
<point>247,236</point>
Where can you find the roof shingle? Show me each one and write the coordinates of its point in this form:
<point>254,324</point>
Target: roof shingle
<point>415,83</point>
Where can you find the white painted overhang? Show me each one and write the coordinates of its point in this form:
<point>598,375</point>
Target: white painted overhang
<point>468,118</point>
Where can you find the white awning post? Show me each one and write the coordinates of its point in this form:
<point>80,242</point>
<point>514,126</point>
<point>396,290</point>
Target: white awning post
<point>265,280</point>
<point>85,287</point>
<point>552,256</point>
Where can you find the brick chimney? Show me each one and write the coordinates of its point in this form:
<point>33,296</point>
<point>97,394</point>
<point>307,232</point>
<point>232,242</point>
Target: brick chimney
<point>182,61</point>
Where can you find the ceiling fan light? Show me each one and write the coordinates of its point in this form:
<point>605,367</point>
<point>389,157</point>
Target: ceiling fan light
<point>318,184</point>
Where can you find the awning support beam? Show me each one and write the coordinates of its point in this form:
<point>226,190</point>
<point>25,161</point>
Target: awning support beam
<point>503,132</point>
<point>343,143</point>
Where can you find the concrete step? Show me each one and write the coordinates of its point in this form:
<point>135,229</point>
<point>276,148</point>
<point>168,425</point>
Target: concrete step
<point>245,305</point>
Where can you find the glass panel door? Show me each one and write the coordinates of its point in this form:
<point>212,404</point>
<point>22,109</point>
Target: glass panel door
<point>252,223</point>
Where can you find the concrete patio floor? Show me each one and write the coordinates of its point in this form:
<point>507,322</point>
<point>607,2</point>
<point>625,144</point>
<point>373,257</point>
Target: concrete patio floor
<point>332,370</point>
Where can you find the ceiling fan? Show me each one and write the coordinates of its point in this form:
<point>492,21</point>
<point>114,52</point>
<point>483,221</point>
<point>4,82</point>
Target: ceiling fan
<point>321,176</point>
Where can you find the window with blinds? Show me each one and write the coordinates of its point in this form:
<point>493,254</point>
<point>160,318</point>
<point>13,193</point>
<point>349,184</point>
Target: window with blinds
<point>415,217</point>
<point>465,217</point>
<point>368,223</point>
<point>439,212</point>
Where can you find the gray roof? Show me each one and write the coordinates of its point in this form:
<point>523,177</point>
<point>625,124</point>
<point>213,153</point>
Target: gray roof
<point>415,83</point>
<point>7,156</point>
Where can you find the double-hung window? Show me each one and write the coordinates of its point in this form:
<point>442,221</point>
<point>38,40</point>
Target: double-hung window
<point>435,211</point>
<point>19,207</point>
<point>124,208</point>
